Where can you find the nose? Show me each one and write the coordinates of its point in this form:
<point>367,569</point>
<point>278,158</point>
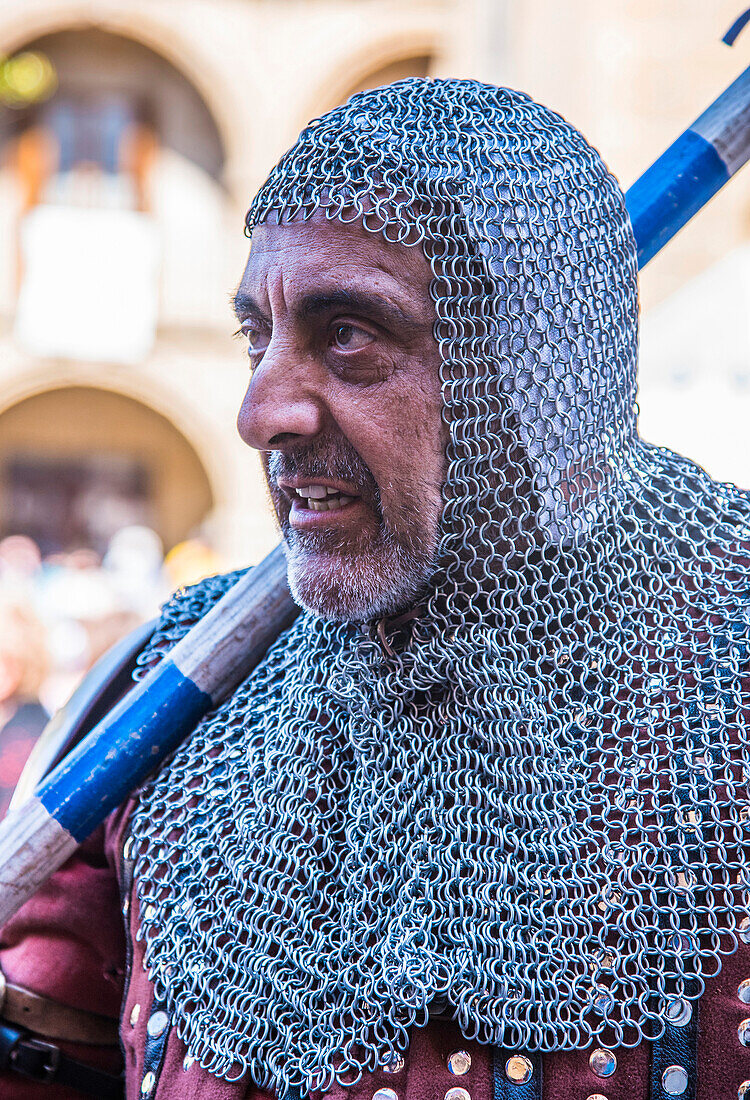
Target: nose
<point>281,407</point>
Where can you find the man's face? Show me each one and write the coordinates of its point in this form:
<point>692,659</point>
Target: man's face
<point>344,404</point>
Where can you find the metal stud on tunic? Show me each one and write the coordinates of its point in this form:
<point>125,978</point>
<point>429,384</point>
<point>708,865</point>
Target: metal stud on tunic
<point>743,1032</point>
<point>134,1014</point>
<point>459,1062</point>
<point>679,1012</point>
<point>457,1094</point>
<point>147,1084</point>
<point>744,930</point>
<point>157,1024</point>
<point>674,1080</point>
<point>385,1094</point>
<point>518,1069</point>
<point>743,1090</point>
<point>395,1065</point>
<point>743,991</point>
<point>603,1062</point>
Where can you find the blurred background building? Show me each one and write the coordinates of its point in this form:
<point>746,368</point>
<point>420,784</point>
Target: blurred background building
<point>133,134</point>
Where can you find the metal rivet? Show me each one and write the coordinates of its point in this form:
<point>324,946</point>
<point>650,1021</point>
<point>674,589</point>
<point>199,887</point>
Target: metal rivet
<point>674,1080</point>
<point>187,1062</point>
<point>603,1062</point>
<point>395,1065</point>
<point>743,1090</point>
<point>744,929</point>
<point>743,1032</point>
<point>679,1012</point>
<point>457,1094</point>
<point>385,1094</point>
<point>596,1096</point>
<point>743,991</point>
<point>518,1069</point>
<point>459,1062</point>
<point>134,1014</point>
<point>157,1024</point>
<point>147,1084</point>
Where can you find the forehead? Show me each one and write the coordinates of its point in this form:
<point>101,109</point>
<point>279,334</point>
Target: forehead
<point>304,253</point>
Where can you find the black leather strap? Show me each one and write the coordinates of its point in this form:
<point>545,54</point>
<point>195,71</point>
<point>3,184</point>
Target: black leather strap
<point>678,1048</point>
<point>156,1045</point>
<point>503,1088</point>
<point>22,1053</point>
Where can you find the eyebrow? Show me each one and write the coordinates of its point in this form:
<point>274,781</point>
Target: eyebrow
<point>355,301</point>
<point>324,301</point>
<point>244,306</point>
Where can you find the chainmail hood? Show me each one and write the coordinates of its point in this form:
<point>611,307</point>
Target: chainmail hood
<point>532,812</point>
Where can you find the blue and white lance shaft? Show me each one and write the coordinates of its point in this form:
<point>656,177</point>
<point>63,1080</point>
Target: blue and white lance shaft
<point>692,170</point>
<point>200,671</point>
<point>222,649</point>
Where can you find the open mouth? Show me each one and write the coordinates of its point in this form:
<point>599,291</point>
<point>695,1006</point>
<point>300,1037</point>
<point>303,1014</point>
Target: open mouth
<point>320,498</point>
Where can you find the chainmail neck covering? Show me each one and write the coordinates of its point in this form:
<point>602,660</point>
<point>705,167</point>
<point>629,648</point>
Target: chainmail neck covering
<point>532,812</point>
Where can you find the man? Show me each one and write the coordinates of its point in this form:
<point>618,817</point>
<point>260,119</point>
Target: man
<point>475,826</point>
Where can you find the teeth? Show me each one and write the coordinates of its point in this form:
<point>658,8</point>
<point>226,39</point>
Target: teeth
<point>320,498</point>
<point>327,505</point>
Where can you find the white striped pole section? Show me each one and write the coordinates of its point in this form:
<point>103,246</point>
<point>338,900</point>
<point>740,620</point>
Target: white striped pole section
<point>200,671</point>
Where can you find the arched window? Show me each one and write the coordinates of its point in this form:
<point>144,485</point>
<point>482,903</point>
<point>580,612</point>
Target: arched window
<point>419,65</point>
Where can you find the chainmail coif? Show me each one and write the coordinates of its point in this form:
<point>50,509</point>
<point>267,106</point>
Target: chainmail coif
<point>532,812</point>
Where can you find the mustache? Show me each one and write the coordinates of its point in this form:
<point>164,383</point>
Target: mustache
<point>334,458</point>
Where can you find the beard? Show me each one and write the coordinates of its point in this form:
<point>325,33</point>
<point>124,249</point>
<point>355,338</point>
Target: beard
<point>361,575</point>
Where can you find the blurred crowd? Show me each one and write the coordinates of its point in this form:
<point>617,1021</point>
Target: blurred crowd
<point>60,613</point>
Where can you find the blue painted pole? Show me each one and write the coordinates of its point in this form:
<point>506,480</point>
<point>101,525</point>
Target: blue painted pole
<point>691,171</point>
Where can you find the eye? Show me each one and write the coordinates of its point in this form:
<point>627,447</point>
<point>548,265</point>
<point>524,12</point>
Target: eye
<point>257,340</point>
<point>348,337</point>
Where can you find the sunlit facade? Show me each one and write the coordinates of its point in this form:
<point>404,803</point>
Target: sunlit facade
<point>134,132</point>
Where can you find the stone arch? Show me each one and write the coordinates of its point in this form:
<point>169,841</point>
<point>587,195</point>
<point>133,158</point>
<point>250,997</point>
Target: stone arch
<point>179,453</point>
<point>362,68</point>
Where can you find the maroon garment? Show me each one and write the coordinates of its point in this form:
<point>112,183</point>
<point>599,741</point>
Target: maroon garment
<point>68,943</point>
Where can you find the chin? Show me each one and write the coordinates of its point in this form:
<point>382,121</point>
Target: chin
<point>356,587</point>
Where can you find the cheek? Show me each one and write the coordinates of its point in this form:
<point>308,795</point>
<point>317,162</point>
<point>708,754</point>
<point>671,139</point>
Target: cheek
<point>406,450</point>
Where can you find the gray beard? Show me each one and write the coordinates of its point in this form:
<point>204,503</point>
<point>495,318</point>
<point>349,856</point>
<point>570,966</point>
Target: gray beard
<point>356,579</point>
